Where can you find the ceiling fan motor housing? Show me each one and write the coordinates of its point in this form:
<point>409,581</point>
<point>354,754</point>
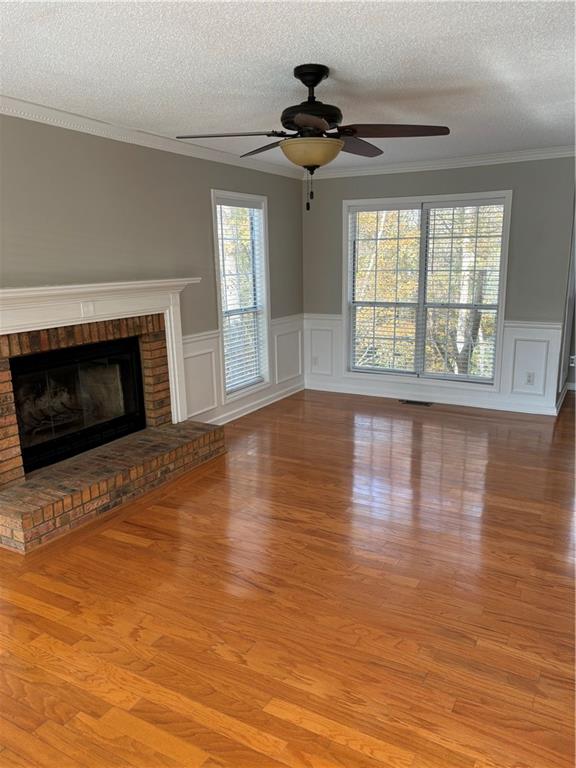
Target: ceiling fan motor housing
<point>329,112</point>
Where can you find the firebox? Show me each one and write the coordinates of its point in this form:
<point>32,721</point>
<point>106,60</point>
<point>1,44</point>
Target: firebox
<point>73,399</point>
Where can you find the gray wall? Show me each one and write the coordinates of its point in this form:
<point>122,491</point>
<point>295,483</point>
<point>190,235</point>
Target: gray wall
<point>542,209</point>
<point>76,208</point>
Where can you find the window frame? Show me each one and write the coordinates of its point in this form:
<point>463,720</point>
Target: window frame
<point>425,202</point>
<point>245,200</point>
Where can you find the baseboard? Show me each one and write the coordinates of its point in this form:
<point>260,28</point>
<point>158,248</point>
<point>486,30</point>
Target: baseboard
<point>561,397</point>
<point>470,399</point>
<point>255,405</point>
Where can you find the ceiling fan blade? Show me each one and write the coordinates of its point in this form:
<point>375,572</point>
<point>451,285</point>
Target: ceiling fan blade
<point>302,120</point>
<point>229,135</point>
<point>356,146</point>
<point>262,149</point>
<point>377,131</point>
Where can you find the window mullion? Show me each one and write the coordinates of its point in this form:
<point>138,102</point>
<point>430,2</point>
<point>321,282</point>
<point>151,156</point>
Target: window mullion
<point>420,346</point>
<point>352,269</point>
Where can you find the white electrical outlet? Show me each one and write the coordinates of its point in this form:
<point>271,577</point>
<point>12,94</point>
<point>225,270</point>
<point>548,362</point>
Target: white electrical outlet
<point>315,361</point>
<point>530,378</point>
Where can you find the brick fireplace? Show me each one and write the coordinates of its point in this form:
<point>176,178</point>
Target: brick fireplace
<point>40,505</point>
<point>148,329</point>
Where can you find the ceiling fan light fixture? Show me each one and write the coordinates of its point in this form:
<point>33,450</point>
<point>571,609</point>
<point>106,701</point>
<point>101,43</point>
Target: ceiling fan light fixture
<point>313,152</point>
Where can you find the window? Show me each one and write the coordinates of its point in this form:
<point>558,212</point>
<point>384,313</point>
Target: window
<point>424,287</point>
<point>240,234</point>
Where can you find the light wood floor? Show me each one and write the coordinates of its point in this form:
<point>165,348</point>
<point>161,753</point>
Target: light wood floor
<point>357,583</point>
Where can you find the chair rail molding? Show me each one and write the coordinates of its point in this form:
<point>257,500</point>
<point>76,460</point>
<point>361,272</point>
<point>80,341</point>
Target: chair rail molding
<point>527,382</point>
<point>53,306</point>
<point>203,366</point>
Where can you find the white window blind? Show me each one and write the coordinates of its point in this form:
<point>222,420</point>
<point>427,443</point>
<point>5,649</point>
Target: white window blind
<point>424,289</point>
<point>241,252</point>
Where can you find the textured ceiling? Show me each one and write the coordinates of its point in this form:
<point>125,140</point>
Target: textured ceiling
<point>501,75</point>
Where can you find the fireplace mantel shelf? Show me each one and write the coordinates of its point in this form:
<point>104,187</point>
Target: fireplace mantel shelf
<point>12,297</point>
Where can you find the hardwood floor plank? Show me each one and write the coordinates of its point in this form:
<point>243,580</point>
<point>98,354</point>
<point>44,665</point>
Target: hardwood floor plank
<point>229,751</point>
<point>19,713</point>
<point>30,747</point>
<point>341,734</point>
<point>44,693</point>
<point>153,737</point>
<point>83,750</point>
<point>13,760</point>
<point>129,750</point>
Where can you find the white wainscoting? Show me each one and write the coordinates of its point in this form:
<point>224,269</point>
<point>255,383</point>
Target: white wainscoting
<point>204,379</point>
<point>310,351</point>
<point>530,358</point>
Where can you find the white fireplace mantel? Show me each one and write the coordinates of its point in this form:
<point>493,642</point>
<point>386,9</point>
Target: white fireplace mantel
<point>52,306</point>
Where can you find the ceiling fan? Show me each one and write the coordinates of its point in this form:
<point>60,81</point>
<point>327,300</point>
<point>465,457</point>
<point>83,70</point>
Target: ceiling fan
<point>316,136</point>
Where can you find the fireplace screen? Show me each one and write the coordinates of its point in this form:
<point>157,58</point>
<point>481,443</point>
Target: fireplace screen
<point>73,399</point>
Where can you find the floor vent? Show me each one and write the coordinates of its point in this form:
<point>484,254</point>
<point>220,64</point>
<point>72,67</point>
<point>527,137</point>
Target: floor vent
<point>415,402</point>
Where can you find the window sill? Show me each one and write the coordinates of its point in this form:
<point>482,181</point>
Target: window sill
<point>425,381</point>
<point>238,394</point>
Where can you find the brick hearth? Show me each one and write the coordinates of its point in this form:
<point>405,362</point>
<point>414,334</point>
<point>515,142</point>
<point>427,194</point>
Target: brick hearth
<point>54,500</point>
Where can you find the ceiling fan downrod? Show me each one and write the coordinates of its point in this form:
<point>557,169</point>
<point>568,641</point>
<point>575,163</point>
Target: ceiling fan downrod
<point>311,75</point>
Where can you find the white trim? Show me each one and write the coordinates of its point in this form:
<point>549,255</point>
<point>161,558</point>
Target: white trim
<point>521,156</point>
<point>13,297</point>
<point>204,377</point>
<point>571,386</point>
<point>286,320</point>
<point>214,378</point>
<point>568,323</point>
<point>425,395</point>
<point>324,337</point>
<point>32,309</point>
<point>255,405</point>
<point>40,114</point>
<point>298,373</point>
<point>520,388</point>
<point>424,201</point>
<point>313,316</point>
<point>561,397</point>
<point>260,202</point>
<point>291,325</point>
<point>385,203</point>
<point>530,324</point>
<point>204,335</point>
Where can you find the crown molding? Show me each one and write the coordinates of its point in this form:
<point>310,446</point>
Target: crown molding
<point>38,113</point>
<point>41,114</point>
<point>525,155</point>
